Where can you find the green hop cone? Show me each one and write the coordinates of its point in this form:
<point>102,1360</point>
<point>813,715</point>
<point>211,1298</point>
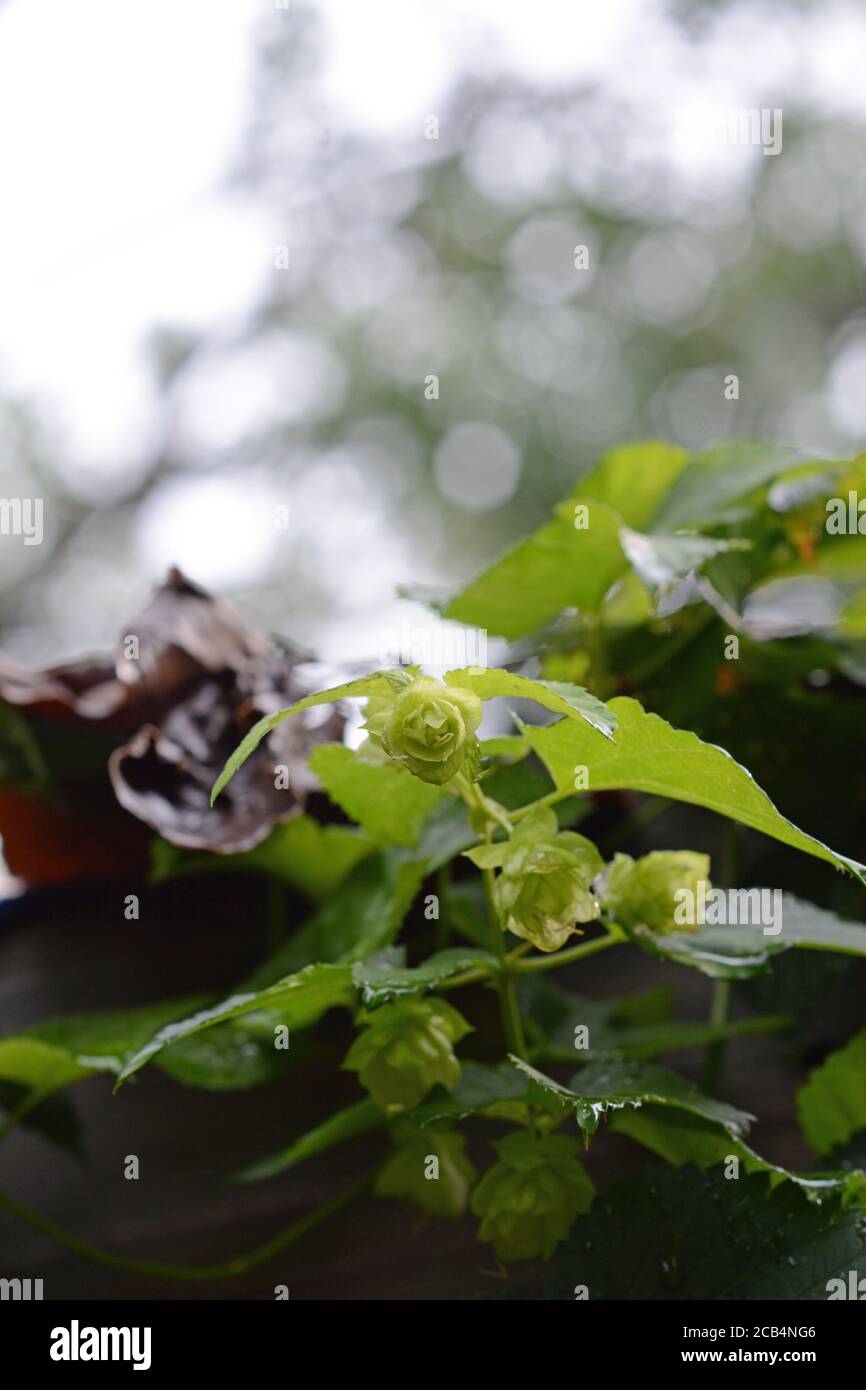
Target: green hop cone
<point>650,892</point>
<point>543,889</point>
<point>405,1049</point>
<point>528,1201</point>
<point>429,728</point>
<point>430,1169</point>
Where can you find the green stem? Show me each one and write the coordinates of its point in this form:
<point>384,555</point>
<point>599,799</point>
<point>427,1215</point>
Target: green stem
<point>490,814</point>
<point>721,999</point>
<point>512,1023</point>
<point>615,937</point>
<point>490,811</point>
<point>549,800</point>
<point>715,1051</point>
<point>466,977</point>
<point>194,1273</point>
<point>515,965</point>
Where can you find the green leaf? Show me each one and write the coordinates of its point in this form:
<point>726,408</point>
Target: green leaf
<point>309,857</point>
<point>364,915</point>
<point>611,1085</point>
<point>103,1040</point>
<point>301,1000</point>
<point>739,952</point>
<point>62,1051</point>
<point>558,696</point>
<point>565,565</point>
<point>385,799</point>
<point>481,1088</point>
<point>40,1067</point>
<point>510,747</point>
<point>378,683</point>
<point>659,560</point>
<point>361,917</point>
<point>356,1119</point>
<point>721,476</point>
<point>679,1138</point>
<point>649,755</point>
<point>552,1015</point>
<point>694,1236</point>
<point>558,567</point>
<point>380,980</point>
<point>832,1104</point>
<point>634,479</point>
<point>234,1056</point>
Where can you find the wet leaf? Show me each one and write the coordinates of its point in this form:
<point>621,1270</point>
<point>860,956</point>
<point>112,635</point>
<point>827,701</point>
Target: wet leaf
<point>679,1138</point>
<point>692,1236</point>
<point>558,696</point>
<point>649,755</point>
<point>607,1086</point>
<point>739,952</point>
<point>832,1104</point>
<point>380,980</point>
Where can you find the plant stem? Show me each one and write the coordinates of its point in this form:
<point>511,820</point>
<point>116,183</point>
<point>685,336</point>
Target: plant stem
<point>718,1014</point>
<point>194,1273</point>
<point>615,937</point>
<point>512,1024</point>
<point>721,1000</point>
<point>491,814</point>
<point>466,977</point>
<point>549,800</point>
<point>515,965</point>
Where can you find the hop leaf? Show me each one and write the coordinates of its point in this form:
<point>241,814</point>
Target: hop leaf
<point>644,892</point>
<point>430,1169</point>
<point>528,1201</point>
<point>429,728</point>
<point>543,890</point>
<point>405,1049</point>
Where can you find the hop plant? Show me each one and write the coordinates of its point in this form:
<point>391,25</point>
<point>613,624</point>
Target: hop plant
<point>428,727</point>
<point>429,1169</point>
<point>405,1049</point>
<point>543,889</point>
<point>528,1201</point>
<point>643,892</point>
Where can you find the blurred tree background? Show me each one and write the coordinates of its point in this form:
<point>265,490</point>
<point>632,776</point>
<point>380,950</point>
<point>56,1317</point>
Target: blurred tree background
<point>440,243</point>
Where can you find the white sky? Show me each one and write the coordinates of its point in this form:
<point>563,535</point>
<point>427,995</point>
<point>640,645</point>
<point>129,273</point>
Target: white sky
<point>119,122</point>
